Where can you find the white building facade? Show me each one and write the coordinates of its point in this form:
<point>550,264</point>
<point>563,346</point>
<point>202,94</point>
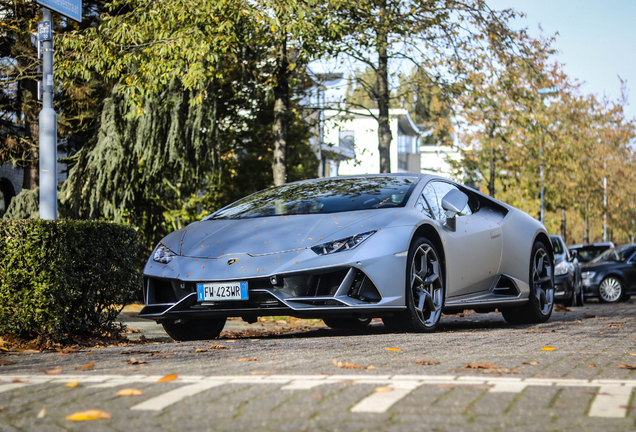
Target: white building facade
<point>350,143</point>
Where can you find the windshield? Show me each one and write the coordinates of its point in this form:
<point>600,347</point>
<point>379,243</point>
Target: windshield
<point>557,245</point>
<point>588,253</point>
<point>326,196</point>
<point>620,254</point>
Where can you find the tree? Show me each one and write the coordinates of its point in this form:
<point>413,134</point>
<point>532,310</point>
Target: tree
<point>441,38</point>
<point>19,107</point>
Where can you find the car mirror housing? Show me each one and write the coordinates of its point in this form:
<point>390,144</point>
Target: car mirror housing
<point>453,202</point>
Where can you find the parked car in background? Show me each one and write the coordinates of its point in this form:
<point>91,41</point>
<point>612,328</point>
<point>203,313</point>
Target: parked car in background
<point>611,276</point>
<point>567,275</point>
<point>587,252</point>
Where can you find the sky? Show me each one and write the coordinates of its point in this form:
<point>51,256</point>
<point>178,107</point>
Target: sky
<point>596,40</point>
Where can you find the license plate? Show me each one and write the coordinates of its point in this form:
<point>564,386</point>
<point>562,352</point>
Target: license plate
<point>215,291</point>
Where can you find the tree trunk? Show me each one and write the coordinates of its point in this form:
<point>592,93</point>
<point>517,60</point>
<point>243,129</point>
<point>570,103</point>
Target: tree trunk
<point>281,115</point>
<point>384,130</point>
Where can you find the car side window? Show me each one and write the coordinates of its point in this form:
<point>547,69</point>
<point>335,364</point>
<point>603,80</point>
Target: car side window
<point>422,206</point>
<point>434,192</point>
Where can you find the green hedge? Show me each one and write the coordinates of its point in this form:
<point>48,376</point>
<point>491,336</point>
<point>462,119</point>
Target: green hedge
<point>65,278</point>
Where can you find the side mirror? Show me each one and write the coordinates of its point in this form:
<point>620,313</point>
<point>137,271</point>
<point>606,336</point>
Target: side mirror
<point>574,254</point>
<point>453,202</point>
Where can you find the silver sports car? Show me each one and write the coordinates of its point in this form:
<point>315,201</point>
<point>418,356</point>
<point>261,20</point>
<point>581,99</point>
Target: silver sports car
<point>401,247</point>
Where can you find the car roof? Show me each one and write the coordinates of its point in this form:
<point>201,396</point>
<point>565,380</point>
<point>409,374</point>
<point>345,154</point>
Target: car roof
<point>582,245</point>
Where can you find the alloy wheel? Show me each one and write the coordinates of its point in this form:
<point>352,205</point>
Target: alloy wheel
<point>542,281</point>
<point>610,290</point>
<point>426,285</point>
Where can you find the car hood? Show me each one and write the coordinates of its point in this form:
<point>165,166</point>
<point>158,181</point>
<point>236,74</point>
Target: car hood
<point>261,236</point>
<point>600,266</point>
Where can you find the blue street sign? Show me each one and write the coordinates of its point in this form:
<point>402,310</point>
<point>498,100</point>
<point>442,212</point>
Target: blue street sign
<point>69,8</point>
<point>44,30</point>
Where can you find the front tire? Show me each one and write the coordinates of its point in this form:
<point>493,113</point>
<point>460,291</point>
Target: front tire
<point>580,296</point>
<point>611,290</point>
<point>424,291</point>
<point>196,329</point>
<point>538,309</point>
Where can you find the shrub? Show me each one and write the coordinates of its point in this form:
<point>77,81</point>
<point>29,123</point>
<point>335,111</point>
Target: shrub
<point>61,278</point>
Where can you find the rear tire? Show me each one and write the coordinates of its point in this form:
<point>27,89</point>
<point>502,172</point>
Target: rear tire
<point>196,329</point>
<point>580,296</point>
<point>538,309</point>
<point>347,323</point>
<point>425,291</point>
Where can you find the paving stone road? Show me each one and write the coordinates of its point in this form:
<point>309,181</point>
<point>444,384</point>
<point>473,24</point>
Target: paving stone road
<point>476,373</point>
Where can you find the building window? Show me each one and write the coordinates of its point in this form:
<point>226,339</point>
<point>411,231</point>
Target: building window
<point>6,194</point>
<point>347,140</point>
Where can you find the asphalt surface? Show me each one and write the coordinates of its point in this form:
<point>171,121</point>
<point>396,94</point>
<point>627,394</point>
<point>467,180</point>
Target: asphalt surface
<point>477,373</point>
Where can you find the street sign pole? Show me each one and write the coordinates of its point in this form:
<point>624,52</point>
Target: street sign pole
<point>48,123</point>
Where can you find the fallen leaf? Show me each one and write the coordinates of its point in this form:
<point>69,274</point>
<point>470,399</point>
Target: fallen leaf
<point>200,350</point>
<point>87,366</point>
<point>530,363</point>
<point>72,384</point>
<point>632,354</point>
<point>249,359</point>
<point>561,308</point>
<point>316,396</point>
<point>3,408</point>
<point>548,348</point>
<point>394,349</point>
<point>591,365</point>
<point>137,352</point>
<point>18,380</point>
<point>626,366</point>
<point>54,371</point>
<point>627,407</point>
<point>351,365</point>
<point>89,415</point>
<point>4,362</point>
<point>161,355</point>
<point>589,316</point>
<point>480,366</point>
<point>134,361</point>
<point>219,347</point>
<point>488,368</point>
<point>129,392</point>
<point>42,413</point>
<point>63,354</point>
<point>167,378</point>
<point>427,362</point>
<point>384,389</point>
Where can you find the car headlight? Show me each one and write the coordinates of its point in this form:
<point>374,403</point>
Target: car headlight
<point>562,268</point>
<point>163,254</point>
<point>589,275</point>
<point>341,245</point>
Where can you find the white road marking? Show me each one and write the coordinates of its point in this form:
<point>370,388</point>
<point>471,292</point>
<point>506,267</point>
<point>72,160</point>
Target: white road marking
<point>162,401</point>
<point>380,402</point>
<point>7,387</point>
<point>611,401</point>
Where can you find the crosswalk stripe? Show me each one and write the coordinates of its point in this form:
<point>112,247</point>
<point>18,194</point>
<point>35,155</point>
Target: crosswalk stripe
<point>166,399</point>
<point>380,402</point>
<point>611,401</point>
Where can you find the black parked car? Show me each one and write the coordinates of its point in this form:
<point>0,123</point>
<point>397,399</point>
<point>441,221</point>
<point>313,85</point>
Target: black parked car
<point>612,275</point>
<point>588,251</point>
<point>567,275</point>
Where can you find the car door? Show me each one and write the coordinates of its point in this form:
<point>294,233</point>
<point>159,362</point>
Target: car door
<point>630,272</point>
<point>473,250</point>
